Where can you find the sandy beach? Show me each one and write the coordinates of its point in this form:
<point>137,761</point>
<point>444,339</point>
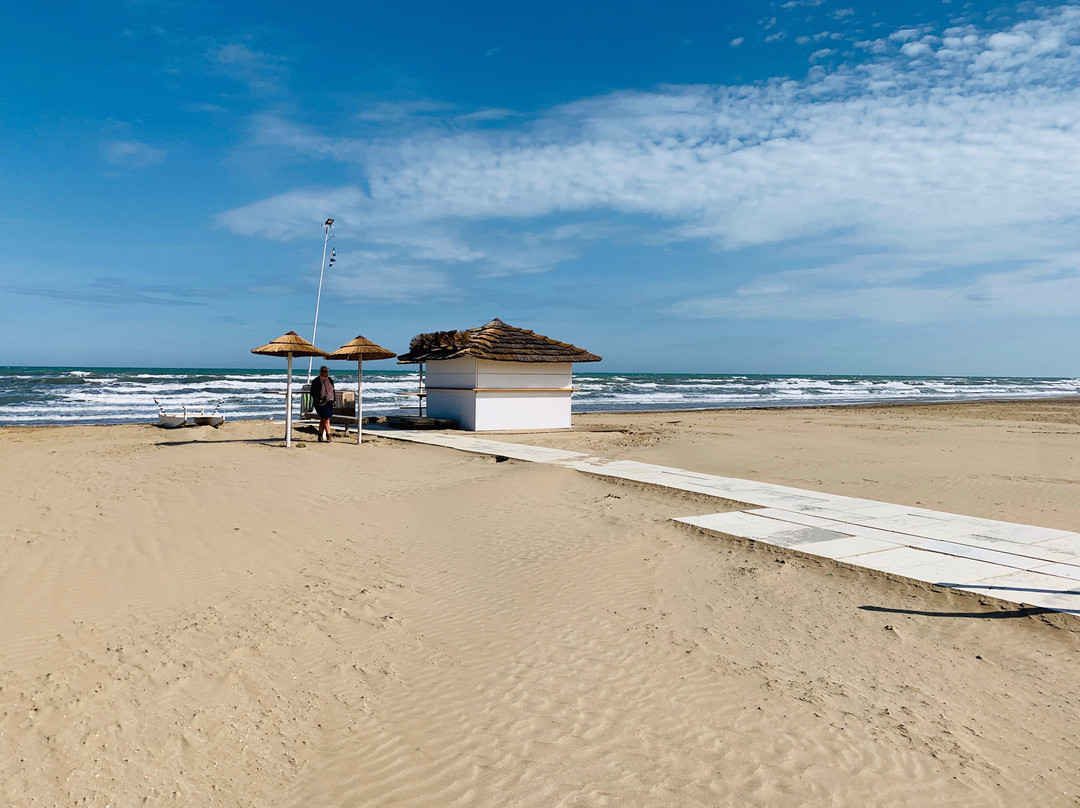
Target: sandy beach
<point>203,617</point>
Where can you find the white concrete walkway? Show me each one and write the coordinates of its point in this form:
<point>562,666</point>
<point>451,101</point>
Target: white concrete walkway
<point>1022,564</point>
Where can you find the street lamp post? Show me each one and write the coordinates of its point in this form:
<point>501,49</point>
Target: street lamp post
<point>322,267</point>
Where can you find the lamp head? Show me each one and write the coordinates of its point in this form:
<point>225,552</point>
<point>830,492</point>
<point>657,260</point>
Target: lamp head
<point>329,222</point>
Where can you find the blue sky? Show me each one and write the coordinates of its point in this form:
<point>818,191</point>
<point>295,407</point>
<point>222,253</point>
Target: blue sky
<point>805,186</point>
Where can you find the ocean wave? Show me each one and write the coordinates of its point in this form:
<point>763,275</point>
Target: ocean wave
<point>111,395</point>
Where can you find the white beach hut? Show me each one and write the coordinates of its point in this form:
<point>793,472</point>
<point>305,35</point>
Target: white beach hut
<point>497,377</point>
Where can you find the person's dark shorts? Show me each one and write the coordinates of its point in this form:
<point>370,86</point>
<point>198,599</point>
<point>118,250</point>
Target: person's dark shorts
<point>325,411</point>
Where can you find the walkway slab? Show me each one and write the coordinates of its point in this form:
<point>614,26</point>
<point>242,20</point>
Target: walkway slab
<point>1031,589</point>
<point>1070,571</point>
<point>934,568</point>
<point>747,525</point>
<point>1021,564</point>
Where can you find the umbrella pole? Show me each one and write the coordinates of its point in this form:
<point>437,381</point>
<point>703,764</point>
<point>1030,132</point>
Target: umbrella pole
<point>288,403</point>
<point>359,400</point>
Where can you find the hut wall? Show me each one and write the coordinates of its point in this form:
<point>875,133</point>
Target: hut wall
<point>512,375</point>
<point>484,394</point>
<point>539,410</point>
<point>457,405</point>
<point>458,373</point>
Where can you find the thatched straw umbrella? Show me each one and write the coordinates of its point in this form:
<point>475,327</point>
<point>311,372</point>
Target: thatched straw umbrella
<point>288,345</point>
<point>359,350</point>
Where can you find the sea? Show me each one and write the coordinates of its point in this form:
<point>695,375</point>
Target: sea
<point>83,395</point>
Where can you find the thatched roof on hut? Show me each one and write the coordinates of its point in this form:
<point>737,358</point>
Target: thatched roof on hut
<point>496,341</point>
<point>291,343</point>
<point>361,348</point>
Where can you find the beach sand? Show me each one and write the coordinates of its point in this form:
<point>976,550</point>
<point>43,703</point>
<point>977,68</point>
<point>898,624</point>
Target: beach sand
<point>202,617</point>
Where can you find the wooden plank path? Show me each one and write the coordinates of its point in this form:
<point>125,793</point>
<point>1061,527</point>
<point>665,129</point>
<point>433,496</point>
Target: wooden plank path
<point>1015,563</point>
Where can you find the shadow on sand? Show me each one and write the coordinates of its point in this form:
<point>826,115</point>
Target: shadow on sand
<point>1027,611</point>
<point>301,434</point>
<point>192,442</point>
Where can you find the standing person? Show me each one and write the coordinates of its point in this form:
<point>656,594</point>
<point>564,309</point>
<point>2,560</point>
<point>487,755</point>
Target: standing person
<point>322,398</point>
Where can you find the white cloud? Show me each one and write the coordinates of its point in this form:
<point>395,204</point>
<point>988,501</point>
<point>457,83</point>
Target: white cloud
<point>132,153</point>
<point>872,45</point>
<point>261,72</point>
<point>916,49</point>
<point>948,164</point>
<point>270,129</point>
<point>737,41</point>
<point>296,214</point>
<point>490,114</point>
<point>905,34</point>
<point>806,39</point>
<point>396,283</point>
<point>394,111</point>
<point>1032,293</point>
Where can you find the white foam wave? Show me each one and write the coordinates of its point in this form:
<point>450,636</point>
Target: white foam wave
<point>56,395</point>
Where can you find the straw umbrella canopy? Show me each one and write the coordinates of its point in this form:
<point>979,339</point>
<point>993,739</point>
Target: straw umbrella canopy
<point>288,345</point>
<point>358,350</point>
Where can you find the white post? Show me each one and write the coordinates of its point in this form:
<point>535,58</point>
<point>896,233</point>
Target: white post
<point>359,399</point>
<point>318,298</point>
<point>288,403</point>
